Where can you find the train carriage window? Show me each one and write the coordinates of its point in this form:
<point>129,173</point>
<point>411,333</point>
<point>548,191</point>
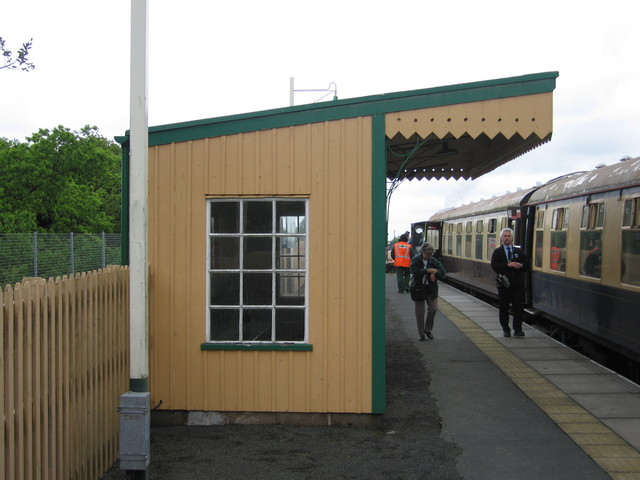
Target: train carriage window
<point>491,245</point>
<point>539,238</point>
<point>558,254</point>
<point>459,239</point>
<point>492,225</point>
<point>479,243</point>
<point>539,218</point>
<point>591,240</point>
<point>630,268</point>
<point>468,239</point>
<point>631,216</point>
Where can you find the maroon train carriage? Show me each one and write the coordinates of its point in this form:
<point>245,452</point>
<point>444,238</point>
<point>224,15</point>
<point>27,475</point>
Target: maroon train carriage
<point>582,233</point>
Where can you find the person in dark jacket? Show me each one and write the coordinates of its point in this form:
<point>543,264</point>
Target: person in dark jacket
<point>510,263</point>
<point>427,270</point>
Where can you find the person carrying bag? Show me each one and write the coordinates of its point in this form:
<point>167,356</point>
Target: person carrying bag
<point>426,270</point>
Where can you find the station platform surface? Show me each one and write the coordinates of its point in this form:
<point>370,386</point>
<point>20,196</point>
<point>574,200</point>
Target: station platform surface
<point>525,408</point>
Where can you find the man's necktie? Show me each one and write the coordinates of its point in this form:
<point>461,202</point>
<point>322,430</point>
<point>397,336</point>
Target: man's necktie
<point>508,254</point>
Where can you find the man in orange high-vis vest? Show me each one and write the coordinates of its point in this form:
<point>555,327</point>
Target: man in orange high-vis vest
<point>401,254</point>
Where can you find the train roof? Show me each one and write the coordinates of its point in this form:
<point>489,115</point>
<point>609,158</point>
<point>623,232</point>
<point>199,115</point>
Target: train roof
<point>625,173</point>
<point>494,204</point>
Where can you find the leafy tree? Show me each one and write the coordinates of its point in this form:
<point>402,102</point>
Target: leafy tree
<point>60,181</point>
<point>20,61</point>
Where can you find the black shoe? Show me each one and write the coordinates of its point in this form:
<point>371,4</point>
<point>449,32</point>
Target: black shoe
<point>519,333</point>
<point>429,334</point>
<point>422,338</point>
<point>507,333</point>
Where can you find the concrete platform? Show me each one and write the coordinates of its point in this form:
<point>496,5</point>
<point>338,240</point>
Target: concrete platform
<point>525,408</point>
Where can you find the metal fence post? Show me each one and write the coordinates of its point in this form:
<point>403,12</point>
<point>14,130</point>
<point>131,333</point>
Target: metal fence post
<point>35,254</point>
<point>104,251</point>
<point>73,270</point>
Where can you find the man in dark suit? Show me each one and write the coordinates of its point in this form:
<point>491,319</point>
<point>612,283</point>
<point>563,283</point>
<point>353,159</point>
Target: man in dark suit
<point>510,262</point>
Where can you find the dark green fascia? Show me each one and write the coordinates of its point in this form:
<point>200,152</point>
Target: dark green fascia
<point>124,203</point>
<point>378,240</point>
<point>251,347</point>
<point>355,107</point>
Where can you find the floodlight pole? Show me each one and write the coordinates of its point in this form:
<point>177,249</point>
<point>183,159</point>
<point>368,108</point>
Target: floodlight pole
<point>138,219</point>
<point>135,405</point>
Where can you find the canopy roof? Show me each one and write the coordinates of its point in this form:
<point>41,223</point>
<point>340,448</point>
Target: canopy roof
<point>456,131</point>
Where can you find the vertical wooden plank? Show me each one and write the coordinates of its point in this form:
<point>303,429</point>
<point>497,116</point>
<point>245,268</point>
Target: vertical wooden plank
<point>93,412</point>
<point>174,279</point>
<point>161,258</point>
<point>262,380</point>
<point>55,381</point>
<point>19,381</point>
<point>68,295</point>
<point>195,256</point>
<point>177,282</point>
<point>10,386</point>
<point>248,162</point>
<point>42,296</point>
<point>3,361</point>
<point>37,410</point>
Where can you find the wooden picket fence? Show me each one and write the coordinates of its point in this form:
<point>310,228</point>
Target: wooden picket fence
<point>64,345</point>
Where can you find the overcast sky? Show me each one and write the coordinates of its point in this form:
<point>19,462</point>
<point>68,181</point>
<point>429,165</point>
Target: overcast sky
<point>209,59</point>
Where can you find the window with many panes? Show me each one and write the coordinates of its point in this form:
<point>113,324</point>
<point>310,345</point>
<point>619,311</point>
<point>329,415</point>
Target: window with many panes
<point>591,239</point>
<point>558,253</point>
<point>630,267</point>
<point>257,270</point>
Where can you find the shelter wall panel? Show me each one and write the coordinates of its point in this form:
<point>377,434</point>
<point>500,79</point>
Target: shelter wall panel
<point>196,278</point>
<point>331,163</point>
<point>230,381</point>
<point>179,288</point>
<point>214,375</point>
<point>160,262</point>
<point>264,380</point>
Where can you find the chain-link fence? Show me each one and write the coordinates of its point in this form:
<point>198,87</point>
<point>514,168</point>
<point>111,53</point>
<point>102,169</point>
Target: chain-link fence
<point>55,254</point>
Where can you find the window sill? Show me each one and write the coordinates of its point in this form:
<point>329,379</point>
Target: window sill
<point>249,347</point>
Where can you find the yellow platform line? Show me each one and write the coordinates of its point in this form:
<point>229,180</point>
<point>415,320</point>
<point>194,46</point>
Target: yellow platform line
<point>616,457</point>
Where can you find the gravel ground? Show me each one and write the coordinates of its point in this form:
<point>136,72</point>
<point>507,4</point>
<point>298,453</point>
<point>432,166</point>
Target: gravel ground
<point>407,446</point>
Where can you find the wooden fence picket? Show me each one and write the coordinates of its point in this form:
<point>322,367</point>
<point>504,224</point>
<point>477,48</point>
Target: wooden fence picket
<point>65,351</point>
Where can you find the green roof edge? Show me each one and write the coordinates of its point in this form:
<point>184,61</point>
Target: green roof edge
<point>352,107</point>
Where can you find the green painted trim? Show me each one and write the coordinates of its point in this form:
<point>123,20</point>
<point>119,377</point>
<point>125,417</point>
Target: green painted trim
<point>378,239</point>
<point>139,384</point>
<point>356,107</point>
<point>265,347</point>
<point>124,204</point>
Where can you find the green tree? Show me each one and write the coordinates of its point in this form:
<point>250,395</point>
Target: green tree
<point>60,181</point>
<point>20,61</point>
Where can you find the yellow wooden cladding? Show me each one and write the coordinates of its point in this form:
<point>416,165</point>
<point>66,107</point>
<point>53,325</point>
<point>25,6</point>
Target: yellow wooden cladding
<point>329,163</point>
<point>65,362</point>
<point>525,115</point>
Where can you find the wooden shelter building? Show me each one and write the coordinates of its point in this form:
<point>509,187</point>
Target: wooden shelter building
<point>267,233</point>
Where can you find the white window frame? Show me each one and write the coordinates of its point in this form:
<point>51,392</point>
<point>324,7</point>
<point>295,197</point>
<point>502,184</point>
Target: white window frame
<point>274,271</point>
